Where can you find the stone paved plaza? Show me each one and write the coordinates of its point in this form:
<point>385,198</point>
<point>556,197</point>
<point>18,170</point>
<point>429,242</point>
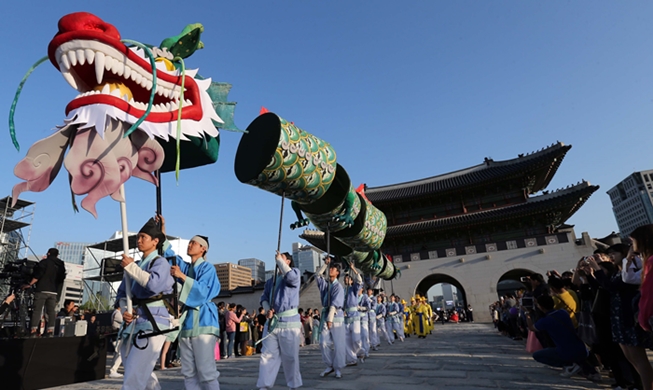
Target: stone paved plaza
<point>455,356</point>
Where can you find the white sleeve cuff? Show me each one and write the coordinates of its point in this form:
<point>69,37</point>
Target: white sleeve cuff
<point>322,269</point>
<point>135,272</point>
<point>285,268</point>
<point>332,313</point>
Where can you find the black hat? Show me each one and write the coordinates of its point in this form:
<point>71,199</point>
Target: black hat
<point>151,228</point>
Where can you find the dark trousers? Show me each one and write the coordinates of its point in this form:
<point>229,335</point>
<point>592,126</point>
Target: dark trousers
<point>223,344</point>
<point>49,300</point>
<point>552,357</point>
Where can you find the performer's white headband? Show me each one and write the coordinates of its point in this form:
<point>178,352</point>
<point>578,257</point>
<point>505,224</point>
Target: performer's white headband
<point>201,241</point>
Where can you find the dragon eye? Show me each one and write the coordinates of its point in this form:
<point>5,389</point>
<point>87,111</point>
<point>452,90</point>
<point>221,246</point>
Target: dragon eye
<point>169,66</point>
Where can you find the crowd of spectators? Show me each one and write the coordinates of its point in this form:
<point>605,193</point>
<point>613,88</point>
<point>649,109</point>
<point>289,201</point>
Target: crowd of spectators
<point>594,317</point>
<point>241,330</point>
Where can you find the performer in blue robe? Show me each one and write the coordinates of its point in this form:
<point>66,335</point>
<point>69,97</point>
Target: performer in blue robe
<point>353,283</point>
<point>332,331</point>
<point>200,327</point>
<point>380,319</point>
<point>374,335</point>
<point>149,279</point>
<point>394,318</point>
<point>282,331</point>
<point>364,306</point>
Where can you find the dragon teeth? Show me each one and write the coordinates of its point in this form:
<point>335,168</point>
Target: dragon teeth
<point>69,79</point>
<point>99,67</point>
<point>72,57</point>
<point>108,63</point>
<point>90,56</point>
<point>81,57</point>
<point>64,63</point>
<point>102,63</point>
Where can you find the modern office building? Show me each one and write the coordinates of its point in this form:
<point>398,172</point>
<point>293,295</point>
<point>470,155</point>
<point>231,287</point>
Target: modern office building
<point>306,257</point>
<point>632,201</point>
<point>72,252</point>
<point>257,266</point>
<point>233,275</point>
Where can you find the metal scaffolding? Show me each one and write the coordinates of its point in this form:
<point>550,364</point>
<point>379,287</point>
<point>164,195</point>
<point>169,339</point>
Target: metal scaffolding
<point>13,221</point>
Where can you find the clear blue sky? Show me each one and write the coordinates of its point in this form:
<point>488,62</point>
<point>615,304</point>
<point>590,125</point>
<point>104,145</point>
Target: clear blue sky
<point>402,91</point>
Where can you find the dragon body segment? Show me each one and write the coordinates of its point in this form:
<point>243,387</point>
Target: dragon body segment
<point>273,156</point>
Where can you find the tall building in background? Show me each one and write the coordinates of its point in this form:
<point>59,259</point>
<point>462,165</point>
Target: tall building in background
<point>306,257</point>
<point>632,201</point>
<point>257,266</point>
<point>74,255</point>
<point>72,252</point>
<point>233,275</point>
<point>450,296</point>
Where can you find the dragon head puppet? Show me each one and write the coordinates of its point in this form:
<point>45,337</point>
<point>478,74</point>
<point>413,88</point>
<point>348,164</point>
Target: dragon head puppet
<point>138,110</point>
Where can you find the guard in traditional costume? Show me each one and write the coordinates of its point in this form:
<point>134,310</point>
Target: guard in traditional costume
<point>200,326</point>
<point>421,319</point>
<point>282,331</point>
<point>332,330</point>
<point>408,319</point>
<point>151,289</point>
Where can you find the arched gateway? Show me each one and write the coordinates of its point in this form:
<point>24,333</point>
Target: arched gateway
<point>431,280</point>
<point>481,225</point>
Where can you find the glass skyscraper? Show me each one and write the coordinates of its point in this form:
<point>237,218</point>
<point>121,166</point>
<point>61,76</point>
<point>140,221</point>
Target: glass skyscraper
<point>257,266</point>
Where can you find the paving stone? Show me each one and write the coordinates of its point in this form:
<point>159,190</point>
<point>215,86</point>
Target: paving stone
<point>461,357</point>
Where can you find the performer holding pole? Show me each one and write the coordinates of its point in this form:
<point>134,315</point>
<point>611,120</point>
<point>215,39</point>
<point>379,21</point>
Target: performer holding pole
<point>364,306</point>
<point>352,322</point>
<point>200,327</point>
<point>374,336</point>
<point>332,331</point>
<point>151,284</point>
<point>282,332</point>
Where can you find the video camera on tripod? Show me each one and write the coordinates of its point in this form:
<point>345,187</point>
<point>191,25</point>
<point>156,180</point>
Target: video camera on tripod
<point>17,273</point>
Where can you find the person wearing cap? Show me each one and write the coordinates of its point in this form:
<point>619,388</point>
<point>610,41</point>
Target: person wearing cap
<point>371,317</point>
<point>352,322</point>
<point>408,319</point>
<point>282,330</point>
<point>421,319</point>
<point>48,277</point>
<point>151,284</point>
<point>332,331</point>
<point>200,326</point>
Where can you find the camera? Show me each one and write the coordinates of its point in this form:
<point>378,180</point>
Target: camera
<point>18,272</point>
<point>525,279</point>
<point>527,302</point>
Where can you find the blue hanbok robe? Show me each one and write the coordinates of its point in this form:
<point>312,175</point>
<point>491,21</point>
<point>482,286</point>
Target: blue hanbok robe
<point>199,315</point>
<point>286,296</point>
<point>159,282</point>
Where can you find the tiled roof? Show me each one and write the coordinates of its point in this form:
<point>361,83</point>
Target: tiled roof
<point>542,164</point>
<point>566,201</point>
